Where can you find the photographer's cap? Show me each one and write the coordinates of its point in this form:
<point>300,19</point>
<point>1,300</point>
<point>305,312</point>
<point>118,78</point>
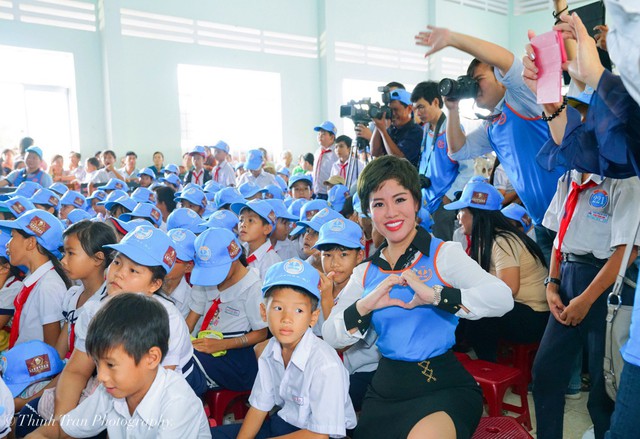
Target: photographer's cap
<point>149,172</point>
<point>342,232</point>
<point>183,218</point>
<point>198,150</point>
<point>148,246</point>
<point>216,249</point>
<point>337,197</point>
<point>254,160</point>
<point>145,211</point>
<point>518,213</point>
<point>296,206</point>
<point>317,221</point>
<point>75,199</point>
<point>308,208</point>
<point>172,179</point>
<point>194,196</point>
<point>34,149</point>
<point>401,95</point>
<point>294,272</point>
<point>124,227</point>
<point>59,188</point>
<point>212,187</point>
<point>327,125</point>
<point>27,363</point>
<point>275,191</point>
<point>298,177</point>
<point>77,215</point>
<point>114,184</point>
<point>280,209</point>
<point>113,196</point>
<point>222,219</point>
<point>478,194</point>
<point>46,228</point>
<point>250,189</point>
<point>144,195</point>
<point>25,189</point>
<point>260,207</point>
<point>171,169</point>
<point>46,197</point>
<point>222,146</point>
<point>17,205</point>
<point>183,241</point>
<point>124,201</point>
<point>98,194</point>
<point>227,196</point>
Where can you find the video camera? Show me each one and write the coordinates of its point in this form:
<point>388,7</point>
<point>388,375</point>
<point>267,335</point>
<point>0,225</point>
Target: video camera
<point>465,87</point>
<point>364,111</point>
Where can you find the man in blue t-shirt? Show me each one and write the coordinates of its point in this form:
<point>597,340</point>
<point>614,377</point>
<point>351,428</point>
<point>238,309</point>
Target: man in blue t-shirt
<point>32,171</point>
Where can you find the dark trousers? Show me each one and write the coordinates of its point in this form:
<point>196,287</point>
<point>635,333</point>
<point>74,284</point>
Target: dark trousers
<point>444,223</point>
<point>272,427</point>
<point>559,348</point>
<point>626,418</point>
<point>236,370</point>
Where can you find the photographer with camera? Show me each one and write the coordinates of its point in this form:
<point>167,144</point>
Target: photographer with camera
<point>440,176</point>
<point>514,130</point>
<point>401,139</point>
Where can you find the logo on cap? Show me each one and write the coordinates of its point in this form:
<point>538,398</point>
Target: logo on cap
<point>293,266</point>
<point>38,364</point>
<point>218,214</point>
<point>177,235</point>
<point>78,202</point>
<point>311,213</point>
<point>479,198</point>
<point>204,253</point>
<point>18,207</point>
<point>526,219</point>
<point>189,191</point>
<point>152,197</point>
<point>155,214</point>
<point>337,226</point>
<point>119,186</point>
<point>144,233</point>
<point>53,201</point>
<point>192,214</point>
<point>99,195</point>
<point>324,212</point>
<point>38,226</point>
<point>234,249</point>
<point>169,257</point>
<point>272,216</point>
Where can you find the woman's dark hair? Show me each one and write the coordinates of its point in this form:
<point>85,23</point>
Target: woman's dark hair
<point>93,236</point>
<point>166,195</point>
<point>386,168</point>
<point>132,321</point>
<point>13,270</point>
<point>490,224</point>
<point>54,260</point>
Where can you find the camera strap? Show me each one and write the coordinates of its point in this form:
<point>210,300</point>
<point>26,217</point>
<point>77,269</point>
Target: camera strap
<point>436,133</point>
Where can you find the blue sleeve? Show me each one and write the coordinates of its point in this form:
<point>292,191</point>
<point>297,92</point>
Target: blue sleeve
<point>11,178</point>
<point>410,145</point>
<point>518,96</point>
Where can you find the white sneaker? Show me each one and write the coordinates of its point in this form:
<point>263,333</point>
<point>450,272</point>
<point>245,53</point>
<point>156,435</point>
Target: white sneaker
<point>589,434</point>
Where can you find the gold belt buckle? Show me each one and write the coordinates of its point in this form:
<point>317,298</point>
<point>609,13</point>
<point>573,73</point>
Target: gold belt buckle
<point>427,371</point>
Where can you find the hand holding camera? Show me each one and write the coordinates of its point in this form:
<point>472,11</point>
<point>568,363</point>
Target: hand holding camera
<point>363,131</point>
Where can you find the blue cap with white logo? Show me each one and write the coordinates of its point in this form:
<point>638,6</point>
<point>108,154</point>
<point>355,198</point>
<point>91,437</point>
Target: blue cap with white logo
<point>326,126</point>
<point>260,207</point>
<point>284,171</point>
<point>27,363</point>
<point>34,149</point>
<point>17,205</point>
<point>216,249</point>
<point>250,189</point>
<point>46,197</point>
<point>221,145</point>
<point>311,207</point>
<point>5,237</point>
<point>124,201</point>
<point>224,219</point>
<point>124,227</point>
<point>478,194</point>
<point>296,206</point>
<point>199,150</point>
<point>518,213</point>
<point>77,215</point>
<point>357,206</point>
<point>212,186</point>
<point>171,169</point>
<point>281,183</point>
<point>171,179</point>
<point>300,177</point>
<point>337,197</point>
<point>293,272</point>
<point>98,194</point>
<point>322,217</point>
<point>59,188</point>
<point>275,191</point>
<point>145,211</point>
<point>183,218</point>
<point>229,195</point>
<point>148,246</point>
<point>46,228</point>
<point>73,198</point>
<point>25,189</point>
<point>148,172</point>
<point>342,232</point>
<point>254,160</point>
<point>144,195</point>
<point>183,241</point>
<point>113,196</point>
<point>194,196</point>
<point>187,186</point>
<point>114,184</point>
<point>281,210</point>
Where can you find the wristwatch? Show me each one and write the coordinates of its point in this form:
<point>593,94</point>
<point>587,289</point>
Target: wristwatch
<point>551,280</point>
<point>437,294</point>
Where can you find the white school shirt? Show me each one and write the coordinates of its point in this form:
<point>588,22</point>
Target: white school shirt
<point>44,304</point>
<point>286,249</point>
<point>263,180</point>
<point>70,310</point>
<point>8,294</point>
<point>99,176</point>
<point>226,174</point>
<point>322,165</point>
<point>181,297</point>
<point>168,410</point>
<point>357,169</point>
<point>266,257</point>
<point>7,406</point>
<point>239,309</point>
<point>313,390</point>
<point>180,348</point>
<point>128,175</point>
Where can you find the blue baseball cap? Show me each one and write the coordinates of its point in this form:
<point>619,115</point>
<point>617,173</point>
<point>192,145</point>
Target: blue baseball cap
<point>226,196</point>
<point>124,227</point>
<point>77,215</point>
<point>320,218</point>
<point>171,179</point>
<point>284,171</point>
<point>183,241</point>
<point>145,211</point>
<point>342,232</point>
<point>198,149</point>
<point>99,195</point>
<point>221,145</point>
<point>194,196</point>
<point>518,213</point>
<point>113,196</point>
<point>401,95</point>
<point>327,126</point>
<point>27,363</point>
<point>293,272</point>
<point>216,249</point>
<point>73,198</point>
<point>223,219</point>
<point>25,189</point>
<point>298,177</point>
<point>212,187</point>
<point>275,191</point>
<point>171,168</point>
<point>310,206</point>
<point>183,218</point>
<point>281,183</point>
<point>296,206</point>
<point>46,197</point>
<point>337,197</point>
<point>583,98</point>
<point>281,210</point>
<point>187,186</point>
<point>17,205</point>
<point>124,201</point>
<point>239,165</point>
<point>144,195</point>
<point>261,207</point>
<point>478,194</point>
<point>250,189</point>
<point>254,160</point>
<point>148,246</point>
<point>5,237</point>
<point>146,171</point>
<point>34,149</point>
<point>46,228</point>
<point>357,205</point>
<point>114,184</point>
<point>59,188</point>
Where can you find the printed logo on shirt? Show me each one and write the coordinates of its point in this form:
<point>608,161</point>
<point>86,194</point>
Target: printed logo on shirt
<point>38,226</point>
<point>598,216</point>
<point>502,119</point>
<point>234,249</point>
<point>232,311</point>
<point>204,253</point>
<point>53,201</point>
<point>479,198</point>
<point>440,144</point>
<point>337,226</point>
<point>38,364</point>
<point>78,202</point>
<point>599,199</point>
<point>293,266</point>
<point>298,399</point>
<point>18,207</point>
<point>143,233</point>
<point>169,257</point>
<point>424,274</point>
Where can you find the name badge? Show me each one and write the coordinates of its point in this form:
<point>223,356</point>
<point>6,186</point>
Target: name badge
<point>598,216</point>
<point>232,311</point>
<point>298,400</point>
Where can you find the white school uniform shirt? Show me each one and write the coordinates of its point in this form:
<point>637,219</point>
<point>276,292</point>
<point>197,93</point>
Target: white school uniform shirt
<point>180,348</point>
<point>99,176</point>
<point>168,410</point>
<point>336,169</point>
<point>70,310</point>
<point>128,175</point>
<point>44,304</point>
<point>239,309</point>
<point>181,297</point>
<point>322,165</point>
<point>266,257</point>
<point>313,390</point>
<point>605,217</point>
<point>263,180</point>
<point>7,406</point>
<point>286,249</point>
<point>226,174</point>
<point>8,293</point>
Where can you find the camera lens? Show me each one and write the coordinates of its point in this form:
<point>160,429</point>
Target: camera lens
<point>446,86</point>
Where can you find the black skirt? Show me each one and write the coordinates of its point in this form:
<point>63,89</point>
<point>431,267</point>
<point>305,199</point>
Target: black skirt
<point>402,393</point>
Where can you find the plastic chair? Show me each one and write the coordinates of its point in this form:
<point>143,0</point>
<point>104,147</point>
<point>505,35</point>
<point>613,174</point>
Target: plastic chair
<point>502,427</point>
<point>221,400</point>
<point>521,357</point>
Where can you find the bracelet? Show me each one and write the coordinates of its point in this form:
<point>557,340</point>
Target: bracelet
<point>557,15</point>
<point>555,113</point>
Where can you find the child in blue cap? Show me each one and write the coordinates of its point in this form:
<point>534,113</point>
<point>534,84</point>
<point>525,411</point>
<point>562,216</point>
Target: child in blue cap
<point>175,282</point>
<point>223,172</point>
<point>284,247</point>
<point>300,186</point>
<point>71,200</point>
<point>225,311</point>
<point>47,200</point>
<point>308,230</point>
<point>197,174</point>
<point>298,372</point>
<point>11,278</point>
<point>193,198</point>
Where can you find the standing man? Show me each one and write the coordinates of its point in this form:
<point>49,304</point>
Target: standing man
<point>223,172</point>
<point>324,157</point>
<point>440,176</point>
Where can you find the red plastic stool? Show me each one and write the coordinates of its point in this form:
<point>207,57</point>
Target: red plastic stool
<point>462,357</point>
<point>221,400</point>
<point>521,357</point>
<point>502,427</point>
<point>495,379</point>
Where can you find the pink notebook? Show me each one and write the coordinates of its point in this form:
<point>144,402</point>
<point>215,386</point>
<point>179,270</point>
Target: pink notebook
<point>550,55</point>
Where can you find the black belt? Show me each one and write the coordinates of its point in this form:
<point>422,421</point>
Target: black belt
<point>584,259</point>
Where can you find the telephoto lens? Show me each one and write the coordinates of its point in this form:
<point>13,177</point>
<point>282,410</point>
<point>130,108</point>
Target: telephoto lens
<point>465,87</point>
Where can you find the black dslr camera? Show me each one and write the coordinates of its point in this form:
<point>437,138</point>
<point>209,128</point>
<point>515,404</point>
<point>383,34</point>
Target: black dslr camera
<point>465,87</point>
<point>364,111</point>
